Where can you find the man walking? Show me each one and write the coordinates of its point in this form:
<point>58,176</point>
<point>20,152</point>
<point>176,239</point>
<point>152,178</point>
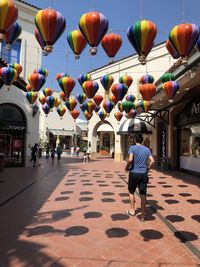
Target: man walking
<point>139,162</point>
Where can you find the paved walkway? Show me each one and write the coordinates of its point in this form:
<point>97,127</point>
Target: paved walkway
<point>73,214</point>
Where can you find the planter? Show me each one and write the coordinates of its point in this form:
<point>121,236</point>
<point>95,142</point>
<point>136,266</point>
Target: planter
<point>104,152</point>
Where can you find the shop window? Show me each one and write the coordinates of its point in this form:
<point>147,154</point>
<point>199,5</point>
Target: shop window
<point>106,140</point>
<point>190,141</point>
<point>13,55</point>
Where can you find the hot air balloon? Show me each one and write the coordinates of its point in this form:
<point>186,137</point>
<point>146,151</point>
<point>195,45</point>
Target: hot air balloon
<point>31,97</point>
<point>41,42</point>
<point>90,106</point>
<point>46,109</point>
<point>8,15</point>
<point>93,26</point>
<point>57,102</point>
<point>145,105</point>
<point>42,71</point>
<point>61,75</point>
<point>97,108</point>
<point>119,90</point>
<point>108,106</point>
<point>119,105</point>
<point>77,42</point>
<point>111,44</point>
<point>83,107</point>
<point>51,24</point>
<point>36,81</point>
<point>63,96</point>
<point>102,115</point>
<point>118,115</point>
<point>51,100</point>
<point>61,111</point>
<point>126,79</point>
<point>98,99</point>
<point>28,87</point>
<point>170,88</point>
<point>74,113</point>
<point>83,78</point>
<point>141,35</point>
<point>132,113</point>
<point>71,104</point>
<point>171,49</point>
<point>107,81</point>
<point>87,115</point>
<point>127,106</point>
<point>12,34</point>
<point>147,90</point>
<point>113,98</point>
<point>8,75</point>
<point>81,98</point>
<point>167,77</point>
<point>17,67</point>
<point>131,98</point>
<point>67,84</point>
<point>47,91</point>
<point>90,88</point>
<point>184,37</point>
<point>42,99</point>
<point>146,79</point>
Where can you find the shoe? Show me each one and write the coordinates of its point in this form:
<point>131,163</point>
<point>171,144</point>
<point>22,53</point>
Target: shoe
<point>130,212</point>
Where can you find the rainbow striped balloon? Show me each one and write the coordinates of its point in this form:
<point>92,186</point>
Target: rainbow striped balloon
<point>61,111</point>
<point>31,97</point>
<point>102,115</point>
<point>12,34</point>
<point>77,42</point>
<point>107,81</point>
<point>126,79</point>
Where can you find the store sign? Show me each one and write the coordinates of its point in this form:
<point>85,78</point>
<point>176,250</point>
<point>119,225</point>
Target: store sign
<point>163,145</point>
<point>195,108</point>
<point>13,127</point>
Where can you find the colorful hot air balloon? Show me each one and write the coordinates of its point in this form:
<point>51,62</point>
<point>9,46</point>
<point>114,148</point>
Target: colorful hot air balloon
<point>57,102</point>
<point>67,84</point>
<point>111,44</point>
<point>102,115</point>
<point>41,42</point>
<point>71,104</point>
<point>12,34</point>
<point>147,90</point>
<point>87,115</point>
<point>146,79</point>
<point>141,35</point>
<point>127,106</point>
<point>74,113</point>
<point>83,78</point>
<point>46,109</point>
<point>61,111</point>
<point>131,98</point>
<point>98,99</point>
<point>108,106</point>
<point>170,88</point>
<point>31,97</point>
<point>166,77</point>
<point>107,81</point>
<point>36,81</point>
<point>93,26</point>
<point>17,67</point>
<point>8,15</point>
<point>119,105</point>
<point>77,42</point>
<point>47,91</point>
<point>83,107</point>
<point>97,108</point>
<point>171,49</point>
<point>51,24</point>
<point>42,99</point>
<point>51,100</point>
<point>113,98</point>
<point>90,88</point>
<point>42,71</point>
<point>184,37</point>
<point>81,98</point>
<point>119,90</point>
<point>132,113</point>
<point>145,105</point>
<point>28,87</point>
<point>90,106</point>
<point>63,96</point>
<point>126,79</point>
<point>8,76</point>
<point>61,75</point>
<point>118,115</point>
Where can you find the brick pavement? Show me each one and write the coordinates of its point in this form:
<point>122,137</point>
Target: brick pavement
<point>73,214</point>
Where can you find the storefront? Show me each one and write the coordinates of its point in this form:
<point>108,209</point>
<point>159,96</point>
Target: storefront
<point>188,123</point>
<point>12,135</point>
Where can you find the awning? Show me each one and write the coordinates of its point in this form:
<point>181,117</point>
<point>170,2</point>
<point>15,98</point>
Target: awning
<point>131,126</point>
<point>105,128</point>
<point>60,132</point>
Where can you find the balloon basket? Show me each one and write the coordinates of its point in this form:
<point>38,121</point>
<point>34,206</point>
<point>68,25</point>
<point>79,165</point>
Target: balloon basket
<point>48,48</point>
<point>110,60</point>
<point>46,115</point>
<point>171,100</point>
<point>61,118</point>
<point>2,36</point>
<point>76,56</point>
<point>184,61</point>
<point>44,53</point>
<point>142,60</point>
<point>8,47</point>
<point>8,87</point>
<point>93,51</point>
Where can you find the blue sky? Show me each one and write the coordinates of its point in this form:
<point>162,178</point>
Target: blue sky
<point>120,14</point>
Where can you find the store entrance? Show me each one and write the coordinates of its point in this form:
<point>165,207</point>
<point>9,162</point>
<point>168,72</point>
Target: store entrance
<point>12,135</point>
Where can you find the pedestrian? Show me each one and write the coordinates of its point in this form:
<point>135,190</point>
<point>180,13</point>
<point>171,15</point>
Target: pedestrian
<point>53,154</point>
<point>88,152</point>
<point>58,152</point>
<point>72,151</point>
<point>77,151</point>
<point>47,151</point>
<point>139,162</point>
<point>34,151</point>
<point>85,156</point>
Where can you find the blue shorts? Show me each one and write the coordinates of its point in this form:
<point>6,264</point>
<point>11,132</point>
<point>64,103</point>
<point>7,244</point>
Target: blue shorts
<point>139,180</point>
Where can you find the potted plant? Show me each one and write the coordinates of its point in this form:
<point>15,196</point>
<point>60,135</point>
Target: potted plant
<point>104,150</point>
